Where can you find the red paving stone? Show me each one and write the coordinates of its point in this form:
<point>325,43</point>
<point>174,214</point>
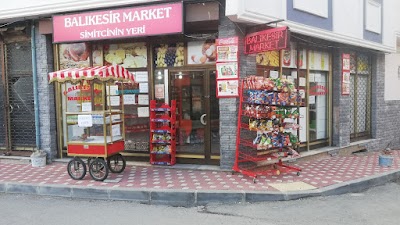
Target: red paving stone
<point>318,173</point>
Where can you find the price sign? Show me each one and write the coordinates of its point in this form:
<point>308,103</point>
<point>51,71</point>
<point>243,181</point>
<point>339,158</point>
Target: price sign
<point>129,99</point>
<point>85,120</point>
<point>116,130</point>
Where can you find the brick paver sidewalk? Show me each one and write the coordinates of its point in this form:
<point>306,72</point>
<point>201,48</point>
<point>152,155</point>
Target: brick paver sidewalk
<point>315,174</point>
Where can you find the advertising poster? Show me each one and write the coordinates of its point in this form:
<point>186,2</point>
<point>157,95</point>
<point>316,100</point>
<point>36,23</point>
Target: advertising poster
<point>227,67</point>
<point>346,74</point>
<point>227,49</point>
<point>97,55</point>
<point>202,52</point>
<point>227,71</point>
<point>319,60</point>
<point>169,55</point>
<point>74,55</point>
<point>289,57</point>
<point>128,55</point>
<point>269,58</point>
<point>227,88</point>
<point>228,53</point>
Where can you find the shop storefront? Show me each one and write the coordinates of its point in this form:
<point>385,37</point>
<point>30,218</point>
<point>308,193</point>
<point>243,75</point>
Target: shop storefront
<point>167,65</point>
<point>17,111</point>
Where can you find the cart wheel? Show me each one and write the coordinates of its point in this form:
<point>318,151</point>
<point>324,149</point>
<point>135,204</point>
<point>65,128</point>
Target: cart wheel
<point>298,173</point>
<point>254,180</point>
<point>116,163</point>
<point>98,169</point>
<point>76,169</point>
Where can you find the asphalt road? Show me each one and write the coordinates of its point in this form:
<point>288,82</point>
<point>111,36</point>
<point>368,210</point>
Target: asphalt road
<point>379,205</point>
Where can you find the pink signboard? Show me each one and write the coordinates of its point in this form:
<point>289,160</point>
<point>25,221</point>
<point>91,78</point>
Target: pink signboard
<point>119,23</point>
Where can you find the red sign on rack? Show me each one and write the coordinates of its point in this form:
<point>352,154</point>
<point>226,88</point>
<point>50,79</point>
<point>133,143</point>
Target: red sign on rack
<point>267,40</point>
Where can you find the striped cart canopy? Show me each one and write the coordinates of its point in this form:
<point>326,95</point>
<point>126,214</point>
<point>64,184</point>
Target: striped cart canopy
<point>103,73</point>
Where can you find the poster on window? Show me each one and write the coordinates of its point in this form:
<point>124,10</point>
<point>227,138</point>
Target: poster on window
<point>227,88</point>
<point>289,58</point>
<point>202,52</point>
<point>319,60</point>
<point>97,55</point>
<point>74,55</point>
<point>128,55</point>
<point>169,55</point>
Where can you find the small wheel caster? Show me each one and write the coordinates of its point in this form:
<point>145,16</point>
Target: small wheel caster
<point>298,173</point>
<point>254,180</point>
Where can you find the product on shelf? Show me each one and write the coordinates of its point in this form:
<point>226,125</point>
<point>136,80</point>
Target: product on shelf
<point>162,133</point>
<point>268,126</point>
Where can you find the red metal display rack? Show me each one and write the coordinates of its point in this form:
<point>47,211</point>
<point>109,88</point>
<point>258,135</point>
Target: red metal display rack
<point>267,126</point>
<point>162,133</point>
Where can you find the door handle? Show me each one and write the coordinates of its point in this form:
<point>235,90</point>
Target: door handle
<point>11,108</point>
<point>202,119</point>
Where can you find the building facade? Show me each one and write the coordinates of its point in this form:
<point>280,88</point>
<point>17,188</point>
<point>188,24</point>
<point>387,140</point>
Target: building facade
<point>356,112</point>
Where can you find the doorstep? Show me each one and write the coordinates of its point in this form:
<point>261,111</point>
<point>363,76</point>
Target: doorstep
<point>329,151</point>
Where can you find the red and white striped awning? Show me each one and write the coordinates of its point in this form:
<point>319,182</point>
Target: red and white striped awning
<point>103,73</point>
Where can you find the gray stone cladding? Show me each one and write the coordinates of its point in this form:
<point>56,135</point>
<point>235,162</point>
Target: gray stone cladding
<point>385,114</point>
<point>340,104</point>
<point>47,113</point>
<point>228,106</point>
<point>385,125</point>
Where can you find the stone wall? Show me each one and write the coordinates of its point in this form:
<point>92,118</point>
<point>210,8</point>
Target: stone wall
<point>385,125</point>
<point>385,114</point>
<point>340,104</point>
<point>47,114</point>
<point>228,106</point>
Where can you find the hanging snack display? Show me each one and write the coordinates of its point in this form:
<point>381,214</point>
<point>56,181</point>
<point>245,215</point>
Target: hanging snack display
<point>267,126</point>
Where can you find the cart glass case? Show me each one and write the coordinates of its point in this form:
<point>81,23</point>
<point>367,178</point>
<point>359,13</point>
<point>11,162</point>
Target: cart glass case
<point>95,118</point>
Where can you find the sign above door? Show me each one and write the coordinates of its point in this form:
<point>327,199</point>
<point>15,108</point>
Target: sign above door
<point>119,23</point>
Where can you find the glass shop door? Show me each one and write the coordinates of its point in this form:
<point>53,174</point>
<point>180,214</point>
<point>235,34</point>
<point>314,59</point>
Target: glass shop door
<point>197,113</point>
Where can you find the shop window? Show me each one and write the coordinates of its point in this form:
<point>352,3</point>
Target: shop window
<point>132,56</point>
<point>311,80</point>
<point>360,100</point>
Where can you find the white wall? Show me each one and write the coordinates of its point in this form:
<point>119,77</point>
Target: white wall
<point>316,7</point>
<point>391,32</point>
<point>258,11</point>
<point>391,24</point>
<point>348,20</point>
<point>15,9</point>
<point>275,8</point>
<point>392,77</point>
